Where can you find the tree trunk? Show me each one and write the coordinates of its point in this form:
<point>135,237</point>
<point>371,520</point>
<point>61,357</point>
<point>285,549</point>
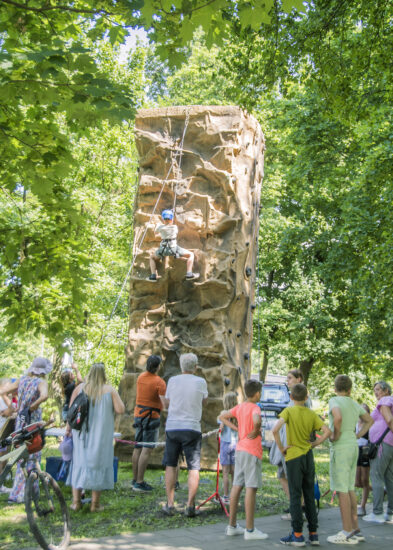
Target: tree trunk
<point>265,361</point>
<point>306,366</point>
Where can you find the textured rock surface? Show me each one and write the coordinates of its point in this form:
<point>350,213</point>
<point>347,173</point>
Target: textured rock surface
<point>217,188</point>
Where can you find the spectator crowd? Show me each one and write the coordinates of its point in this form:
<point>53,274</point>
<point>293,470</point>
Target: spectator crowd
<point>361,444</point>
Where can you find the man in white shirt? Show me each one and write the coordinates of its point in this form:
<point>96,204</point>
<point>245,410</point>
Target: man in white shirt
<point>185,395</point>
<point>169,247</point>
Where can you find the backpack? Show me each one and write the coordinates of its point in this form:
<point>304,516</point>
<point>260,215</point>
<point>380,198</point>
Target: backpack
<point>78,412</point>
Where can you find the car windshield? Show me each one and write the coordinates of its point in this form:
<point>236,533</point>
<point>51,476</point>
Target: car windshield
<point>274,395</point>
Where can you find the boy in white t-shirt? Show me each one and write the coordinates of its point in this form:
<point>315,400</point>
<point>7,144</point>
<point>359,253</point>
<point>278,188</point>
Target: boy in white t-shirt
<point>169,247</point>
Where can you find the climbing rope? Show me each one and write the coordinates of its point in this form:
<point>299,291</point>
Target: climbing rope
<point>178,169</point>
<point>255,239</point>
<point>172,168</point>
<point>159,443</point>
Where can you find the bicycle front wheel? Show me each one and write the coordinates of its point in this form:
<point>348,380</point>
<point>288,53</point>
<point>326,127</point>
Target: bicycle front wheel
<point>47,511</point>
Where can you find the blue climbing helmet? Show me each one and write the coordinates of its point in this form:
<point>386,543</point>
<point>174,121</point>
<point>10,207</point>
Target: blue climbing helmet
<point>167,215</point>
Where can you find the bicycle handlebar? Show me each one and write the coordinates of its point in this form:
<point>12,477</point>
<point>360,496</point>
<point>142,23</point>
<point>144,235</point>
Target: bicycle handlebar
<point>24,433</point>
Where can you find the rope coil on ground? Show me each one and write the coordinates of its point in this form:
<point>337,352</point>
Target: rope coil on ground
<point>159,443</point>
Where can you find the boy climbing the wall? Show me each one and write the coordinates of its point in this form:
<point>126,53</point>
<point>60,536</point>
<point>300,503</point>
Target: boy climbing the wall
<point>248,459</point>
<point>169,247</point>
<point>299,460</point>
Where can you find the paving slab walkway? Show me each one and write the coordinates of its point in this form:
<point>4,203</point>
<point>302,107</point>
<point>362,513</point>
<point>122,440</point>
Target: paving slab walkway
<point>212,537</point>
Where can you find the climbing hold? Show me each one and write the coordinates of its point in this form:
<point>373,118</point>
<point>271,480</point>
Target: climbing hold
<point>253,306</point>
<point>226,381</point>
<point>246,356</point>
<point>247,244</point>
<point>230,331</point>
<point>248,271</point>
<point>239,370</point>
<point>238,334</point>
<point>233,261</point>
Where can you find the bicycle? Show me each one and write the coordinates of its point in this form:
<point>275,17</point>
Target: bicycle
<point>46,509</point>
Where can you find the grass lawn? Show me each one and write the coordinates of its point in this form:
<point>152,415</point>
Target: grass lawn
<point>127,511</point>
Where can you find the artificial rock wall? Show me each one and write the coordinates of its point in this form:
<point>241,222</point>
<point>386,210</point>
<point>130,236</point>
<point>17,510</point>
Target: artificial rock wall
<point>217,178</point>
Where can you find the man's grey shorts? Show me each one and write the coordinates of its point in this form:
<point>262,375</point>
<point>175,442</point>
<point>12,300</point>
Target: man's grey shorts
<point>248,470</point>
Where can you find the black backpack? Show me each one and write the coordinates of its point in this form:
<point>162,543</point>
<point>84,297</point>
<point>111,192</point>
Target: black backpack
<point>78,412</point>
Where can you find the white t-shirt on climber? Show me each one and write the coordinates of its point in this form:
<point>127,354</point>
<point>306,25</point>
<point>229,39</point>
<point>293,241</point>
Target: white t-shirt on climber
<point>185,393</point>
<point>167,231</point>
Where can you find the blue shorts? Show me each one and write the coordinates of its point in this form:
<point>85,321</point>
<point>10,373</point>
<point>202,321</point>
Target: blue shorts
<point>227,453</point>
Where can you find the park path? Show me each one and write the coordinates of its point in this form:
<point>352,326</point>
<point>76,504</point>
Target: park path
<point>212,537</point>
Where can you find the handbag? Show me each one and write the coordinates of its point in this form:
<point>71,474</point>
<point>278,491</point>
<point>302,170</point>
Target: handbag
<point>373,447</point>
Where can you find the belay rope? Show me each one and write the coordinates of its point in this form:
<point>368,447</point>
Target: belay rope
<point>175,167</point>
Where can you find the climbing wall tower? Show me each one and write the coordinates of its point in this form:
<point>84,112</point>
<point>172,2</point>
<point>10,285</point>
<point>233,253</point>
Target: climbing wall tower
<point>211,159</point>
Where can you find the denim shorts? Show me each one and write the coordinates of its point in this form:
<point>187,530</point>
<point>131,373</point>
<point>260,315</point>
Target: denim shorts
<point>187,441</point>
<point>227,453</point>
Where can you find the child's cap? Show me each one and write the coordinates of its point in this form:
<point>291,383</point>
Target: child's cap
<point>167,215</point>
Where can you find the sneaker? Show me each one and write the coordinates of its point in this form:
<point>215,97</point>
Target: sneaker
<point>226,500</point>
<point>190,512</point>
<point>313,539</point>
<point>361,511</point>
<point>142,487</point>
<point>293,540</point>
<point>233,531</point>
<point>133,482</point>
<point>255,534</point>
<point>286,517</point>
<point>153,277</point>
<point>190,275</point>
<point>374,518</point>
<point>341,538</point>
<point>388,518</point>
<point>357,535</point>
<point>168,510</point>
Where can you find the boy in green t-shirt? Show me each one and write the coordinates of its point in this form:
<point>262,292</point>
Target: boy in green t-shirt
<point>344,414</point>
<point>299,459</point>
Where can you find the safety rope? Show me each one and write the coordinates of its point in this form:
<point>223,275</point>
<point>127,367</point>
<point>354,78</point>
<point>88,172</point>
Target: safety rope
<point>178,169</point>
<point>178,153</point>
<point>159,443</point>
<point>255,238</point>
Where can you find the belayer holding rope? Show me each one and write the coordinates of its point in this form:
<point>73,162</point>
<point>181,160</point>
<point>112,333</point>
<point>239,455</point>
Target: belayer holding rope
<point>169,247</point>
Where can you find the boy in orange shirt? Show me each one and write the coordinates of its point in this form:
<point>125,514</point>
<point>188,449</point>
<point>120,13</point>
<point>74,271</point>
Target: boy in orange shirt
<point>248,459</point>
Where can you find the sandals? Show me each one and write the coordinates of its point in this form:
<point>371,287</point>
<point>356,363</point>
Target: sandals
<point>76,506</point>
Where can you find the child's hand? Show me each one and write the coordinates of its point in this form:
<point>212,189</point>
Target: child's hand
<point>253,434</point>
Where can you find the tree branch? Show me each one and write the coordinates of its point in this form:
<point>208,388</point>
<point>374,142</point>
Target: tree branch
<point>52,8</point>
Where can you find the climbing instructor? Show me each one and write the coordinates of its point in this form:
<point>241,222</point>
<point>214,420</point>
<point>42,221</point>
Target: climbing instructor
<point>150,390</point>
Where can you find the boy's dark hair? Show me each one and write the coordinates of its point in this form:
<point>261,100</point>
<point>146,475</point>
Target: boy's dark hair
<point>152,364</point>
<point>297,373</point>
<point>251,387</point>
<point>342,382</point>
<point>299,392</point>
<point>66,377</point>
